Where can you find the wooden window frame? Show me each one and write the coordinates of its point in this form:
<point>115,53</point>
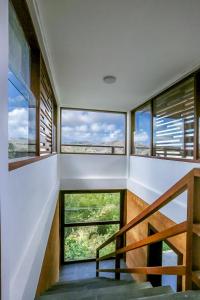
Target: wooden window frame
<point>25,20</point>
<point>63,225</point>
<point>100,111</point>
<point>196,158</point>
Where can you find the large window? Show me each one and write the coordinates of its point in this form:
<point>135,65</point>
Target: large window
<point>171,116</point>
<point>89,219</point>
<point>21,102</point>
<point>97,132</point>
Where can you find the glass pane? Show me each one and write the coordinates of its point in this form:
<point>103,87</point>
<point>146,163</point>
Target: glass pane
<point>21,120</point>
<point>174,122</point>
<point>98,132</point>
<point>92,207</point>
<point>142,131</point>
<point>81,242</point>
<point>19,50</point>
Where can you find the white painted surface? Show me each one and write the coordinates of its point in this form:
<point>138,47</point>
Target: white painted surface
<point>93,171</point>
<point>149,178</point>
<point>146,44</point>
<point>32,195</point>
<point>3,145</point>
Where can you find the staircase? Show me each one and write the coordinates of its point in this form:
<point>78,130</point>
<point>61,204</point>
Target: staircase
<point>110,289</point>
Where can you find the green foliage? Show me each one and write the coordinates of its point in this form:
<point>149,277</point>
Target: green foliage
<point>81,242</point>
<point>166,247</point>
<point>92,207</point>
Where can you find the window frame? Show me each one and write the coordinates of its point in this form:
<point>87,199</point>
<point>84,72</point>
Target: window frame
<point>25,20</point>
<point>100,111</point>
<point>196,157</point>
<point>64,225</point>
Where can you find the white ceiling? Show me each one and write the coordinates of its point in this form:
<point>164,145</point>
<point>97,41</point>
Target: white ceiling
<point>147,44</point>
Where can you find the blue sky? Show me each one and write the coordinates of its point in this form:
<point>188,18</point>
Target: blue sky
<point>95,128</point>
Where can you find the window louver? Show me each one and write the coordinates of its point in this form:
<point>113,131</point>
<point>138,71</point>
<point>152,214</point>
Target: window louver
<point>46,112</point>
<point>174,122</point>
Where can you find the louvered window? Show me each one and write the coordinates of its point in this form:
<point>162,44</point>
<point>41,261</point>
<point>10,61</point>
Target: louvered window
<point>47,108</point>
<point>174,122</point>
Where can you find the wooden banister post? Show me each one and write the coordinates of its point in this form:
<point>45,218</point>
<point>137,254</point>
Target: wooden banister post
<point>117,257</point>
<point>192,241</point>
<point>97,263</point>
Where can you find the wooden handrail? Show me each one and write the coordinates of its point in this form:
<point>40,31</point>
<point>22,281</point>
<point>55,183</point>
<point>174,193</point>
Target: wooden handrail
<point>188,183</point>
<point>177,189</point>
<point>157,237</point>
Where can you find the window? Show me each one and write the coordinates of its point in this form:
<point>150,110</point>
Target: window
<point>32,108</point>
<point>97,132</point>
<point>21,120</point>
<point>174,122</point>
<point>19,50</point>
<point>21,102</point>
<point>142,130</point>
<point>172,119</point>
<point>89,219</point>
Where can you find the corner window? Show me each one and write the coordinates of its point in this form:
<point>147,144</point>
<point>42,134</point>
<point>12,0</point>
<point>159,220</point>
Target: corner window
<point>164,127</point>
<point>92,132</point>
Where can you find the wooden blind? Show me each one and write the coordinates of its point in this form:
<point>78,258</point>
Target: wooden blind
<point>46,112</point>
<point>174,122</point>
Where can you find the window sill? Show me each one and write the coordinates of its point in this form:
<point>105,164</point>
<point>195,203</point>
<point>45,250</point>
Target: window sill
<point>18,164</point>
<point>81,153</point>
<point>169,158</point>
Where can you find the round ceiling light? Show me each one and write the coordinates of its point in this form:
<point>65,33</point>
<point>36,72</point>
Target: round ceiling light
<point>109,79</point>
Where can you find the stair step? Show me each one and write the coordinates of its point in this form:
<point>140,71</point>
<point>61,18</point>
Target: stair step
<point>117,293</point>
<point>189,295</point>
<point>88,286</point>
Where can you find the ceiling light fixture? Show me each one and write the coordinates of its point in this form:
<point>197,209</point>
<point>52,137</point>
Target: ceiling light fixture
<point>109,79</point>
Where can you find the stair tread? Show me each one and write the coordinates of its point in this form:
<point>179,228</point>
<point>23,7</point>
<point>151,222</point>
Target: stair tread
<point>89,286</point>
<point>118,293</point>
<point>189,295</point>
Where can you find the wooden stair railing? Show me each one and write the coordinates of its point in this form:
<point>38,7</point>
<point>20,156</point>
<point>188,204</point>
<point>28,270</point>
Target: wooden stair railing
<point>190,183</point>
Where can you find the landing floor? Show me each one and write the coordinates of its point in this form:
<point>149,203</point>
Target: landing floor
<point>86,270</point>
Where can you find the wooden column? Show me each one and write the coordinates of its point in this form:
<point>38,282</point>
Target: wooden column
<point>117,258</point>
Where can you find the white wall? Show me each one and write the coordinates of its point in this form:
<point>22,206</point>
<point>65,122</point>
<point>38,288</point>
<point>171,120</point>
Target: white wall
<point>3,141</point>
<point>93,171</point>
<point>149,178</point>
<point>32,195</point>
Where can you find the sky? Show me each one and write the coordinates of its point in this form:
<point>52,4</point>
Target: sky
<point>92,128</point>
<point>21,118</point>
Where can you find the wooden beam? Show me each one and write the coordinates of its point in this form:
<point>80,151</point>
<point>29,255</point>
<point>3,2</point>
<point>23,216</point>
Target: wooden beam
<point>157,237</point>
<point>168,270</point>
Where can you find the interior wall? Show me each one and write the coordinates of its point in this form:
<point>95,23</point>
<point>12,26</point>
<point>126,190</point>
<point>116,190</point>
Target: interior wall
<point>33,192</point>
<point>4,260</point>
<point>149,178</point>
<point>51,264</point>
<point>138,257</point>
<point>82,171</point>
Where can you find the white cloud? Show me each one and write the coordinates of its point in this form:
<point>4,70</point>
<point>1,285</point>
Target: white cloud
<point>18,123</point>
<point>141,137</point>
